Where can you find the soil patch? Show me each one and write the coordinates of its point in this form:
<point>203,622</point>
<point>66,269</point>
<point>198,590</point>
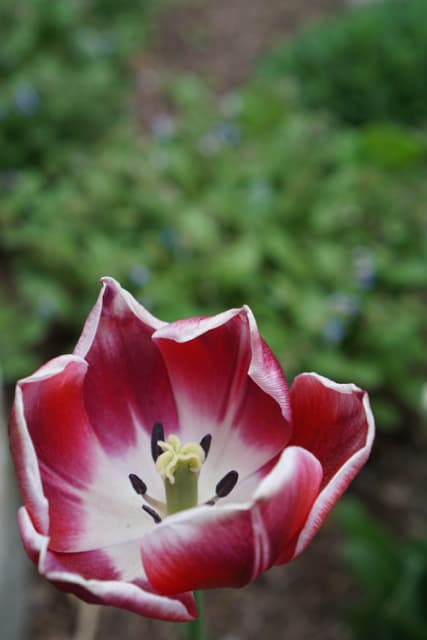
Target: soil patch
<point>223,39</point>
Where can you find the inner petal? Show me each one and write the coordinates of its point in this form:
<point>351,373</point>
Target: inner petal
<point>91,502</point>
<point>106,512</point>
<point>211,364</point>
<point>126,387</point>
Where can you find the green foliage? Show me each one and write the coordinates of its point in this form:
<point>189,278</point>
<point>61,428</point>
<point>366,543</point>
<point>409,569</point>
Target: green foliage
<point>65,70</point>
<point>249,199</point>
<point>392,575</point>
<point>364,66</point>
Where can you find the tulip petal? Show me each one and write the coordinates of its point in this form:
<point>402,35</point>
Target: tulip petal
<point>330,420</point>
<point>335,422</point>
<point>97,577</point>
<point>57,447</point>
<point>127,387</point>
<point>53,413</point>
<point>228,546</point>
<point>201,549</point>
<point>283,501</point>
<point>75,494</point>
<point>226,382</point>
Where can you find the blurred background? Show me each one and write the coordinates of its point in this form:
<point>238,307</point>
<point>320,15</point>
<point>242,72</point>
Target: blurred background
<point>213,153</point>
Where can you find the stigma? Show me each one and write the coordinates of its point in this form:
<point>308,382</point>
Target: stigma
<point>175,456</point>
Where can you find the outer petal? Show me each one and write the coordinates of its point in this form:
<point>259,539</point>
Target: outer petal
<point>95,577</point>
<point>75,494</point>
<point>335,422</point>
<point>283,502</point>
<point>329,419</point>
<point>226,382</point>
<point>229,546</point>
<point>25,455</point>
<point>127,387</point>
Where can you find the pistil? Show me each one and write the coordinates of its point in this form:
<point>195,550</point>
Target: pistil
<point>179,466</point>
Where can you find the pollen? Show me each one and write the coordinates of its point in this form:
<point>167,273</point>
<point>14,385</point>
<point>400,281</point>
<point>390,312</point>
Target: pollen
<point>177,456</point>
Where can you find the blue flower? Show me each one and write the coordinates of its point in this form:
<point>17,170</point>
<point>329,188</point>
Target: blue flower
<point>139,275</point>
<point>26,99</point>
<point>334,331</point>
<point>365,270</point>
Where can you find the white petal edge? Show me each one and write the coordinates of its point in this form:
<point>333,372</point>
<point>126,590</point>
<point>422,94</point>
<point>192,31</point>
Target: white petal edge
<point>346,387</point>
<point>92,322</point>
<point>258,367</point>
<point>283,471</point>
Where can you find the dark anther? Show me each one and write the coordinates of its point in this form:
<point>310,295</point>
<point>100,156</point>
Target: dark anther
<point>152,513</point>
<point>227,484</point>
<point>205,443</point>
<point>138,485</point>
<point>156,435</point>
<point>210,503</point>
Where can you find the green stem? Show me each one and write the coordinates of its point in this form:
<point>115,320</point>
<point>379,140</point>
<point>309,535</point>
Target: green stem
<point>195,630</point>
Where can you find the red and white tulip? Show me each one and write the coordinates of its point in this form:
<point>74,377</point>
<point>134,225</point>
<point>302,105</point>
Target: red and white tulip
<point>162,458</point>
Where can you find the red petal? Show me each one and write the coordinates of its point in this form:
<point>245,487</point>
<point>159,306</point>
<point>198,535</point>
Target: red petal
<point>329,419</point>
<point>94,577</point>
<point>126,387</point>
<point>51,407</point>
<point>229,546</point>
<point>201,549</point>
<point>57,422</point>
<point>73,492</point>
<point>49,427</point>
<point>342,440</point>
<point>283,502</point>
<point>226,382</point>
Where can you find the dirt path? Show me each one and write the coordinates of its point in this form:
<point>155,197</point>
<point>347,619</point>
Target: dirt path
<point>222,39</point>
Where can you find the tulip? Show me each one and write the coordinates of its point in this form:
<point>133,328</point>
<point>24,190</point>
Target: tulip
<point>160,458</point>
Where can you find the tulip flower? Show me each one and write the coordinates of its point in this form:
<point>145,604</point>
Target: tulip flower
<point>162,458</point>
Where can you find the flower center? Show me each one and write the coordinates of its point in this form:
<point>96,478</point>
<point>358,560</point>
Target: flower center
<point>179,466</point>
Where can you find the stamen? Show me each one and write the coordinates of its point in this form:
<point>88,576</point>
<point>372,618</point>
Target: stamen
<point>151,512</point>
<point>224,487</point>
<point>159,506</point>
<point>138,485</point>
<point>157,434</point>
<point>227,484</point>
<point>140,488</point>
<point>205,443</point>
